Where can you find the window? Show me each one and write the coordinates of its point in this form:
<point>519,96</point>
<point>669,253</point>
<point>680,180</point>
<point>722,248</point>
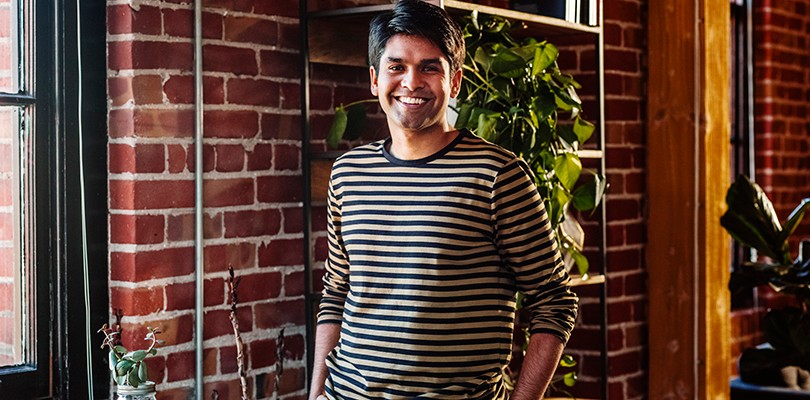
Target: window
<point>42,312</point>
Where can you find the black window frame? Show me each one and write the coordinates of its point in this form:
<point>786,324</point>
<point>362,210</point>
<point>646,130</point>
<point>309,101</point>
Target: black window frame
<point>60,369</point>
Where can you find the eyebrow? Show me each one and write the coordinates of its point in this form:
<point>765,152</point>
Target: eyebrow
<point>423,62</point>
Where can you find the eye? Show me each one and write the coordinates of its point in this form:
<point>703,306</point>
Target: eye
<point>431,68</point>
<point>395,67</point>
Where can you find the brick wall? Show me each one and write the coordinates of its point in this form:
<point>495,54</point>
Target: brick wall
<point>782,132</point>
<point>252,196</point>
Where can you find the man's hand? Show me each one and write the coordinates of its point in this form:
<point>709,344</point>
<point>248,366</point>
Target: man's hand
<point>326,338</point>
<point>541,361</point>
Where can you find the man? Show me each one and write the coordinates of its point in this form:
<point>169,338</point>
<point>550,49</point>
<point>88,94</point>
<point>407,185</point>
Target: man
<point>431,233</point>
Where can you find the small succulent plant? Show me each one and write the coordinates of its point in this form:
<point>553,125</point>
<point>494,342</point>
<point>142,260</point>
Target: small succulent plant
<point>128,367</point>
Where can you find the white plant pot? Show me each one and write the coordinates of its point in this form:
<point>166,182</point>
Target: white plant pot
<point>144,391</point>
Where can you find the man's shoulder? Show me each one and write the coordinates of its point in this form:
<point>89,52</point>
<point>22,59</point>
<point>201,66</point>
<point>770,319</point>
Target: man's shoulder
<point>476,147</point>
<point>366,151</point>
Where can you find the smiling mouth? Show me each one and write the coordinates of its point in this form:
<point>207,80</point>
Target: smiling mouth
<point>414,101</point>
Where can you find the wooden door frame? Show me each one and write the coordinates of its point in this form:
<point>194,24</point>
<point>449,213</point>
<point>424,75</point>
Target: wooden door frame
<point>688,131</point>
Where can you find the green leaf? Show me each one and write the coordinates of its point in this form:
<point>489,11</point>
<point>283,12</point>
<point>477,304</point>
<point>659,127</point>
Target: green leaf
<point>557,201</point>
<point>123,366</point>
<point>137,355</point>
<point>544,57</point>
<point>543,105</point>
<point>793,220</point>
<point>583,129</point>
<point>751,220</point>
<point>121,349</point>
<point>463,118</point>
<point>486,124</point>
<point>483,58</point>
<point>153,351</point>
<point>588,195</point>
<point>567,167</point>
<point>355,121</point>
<point>133,379</point>
<point>338,127</point>
<point>113,360</point>
<point>121,379</point>
<point>570,379</point>
<point>142,372</point>
<point>567,361</point>
<point>579,259</point>
<point>508,64</point>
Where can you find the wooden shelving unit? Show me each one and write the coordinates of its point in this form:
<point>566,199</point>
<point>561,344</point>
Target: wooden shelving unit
<point>340,37</point>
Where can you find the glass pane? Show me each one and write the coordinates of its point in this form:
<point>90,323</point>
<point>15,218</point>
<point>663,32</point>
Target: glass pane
<point>13,313</point>
<point>9,46</point>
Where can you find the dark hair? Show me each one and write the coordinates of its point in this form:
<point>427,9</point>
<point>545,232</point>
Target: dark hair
<point>418,18</point>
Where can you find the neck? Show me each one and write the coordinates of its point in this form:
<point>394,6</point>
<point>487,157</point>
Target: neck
<point>414,145</point>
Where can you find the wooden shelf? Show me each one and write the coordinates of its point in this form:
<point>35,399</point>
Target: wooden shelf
<point>590,154</point>
<point>329,30</point>
<point>590,279</point>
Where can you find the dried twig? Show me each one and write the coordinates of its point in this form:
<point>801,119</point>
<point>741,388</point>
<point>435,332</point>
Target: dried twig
<point>279,358</point>
<point>233,284</point>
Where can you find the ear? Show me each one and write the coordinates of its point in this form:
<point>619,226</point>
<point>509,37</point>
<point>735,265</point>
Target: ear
<point>455,83</point>
<point>372,74</point>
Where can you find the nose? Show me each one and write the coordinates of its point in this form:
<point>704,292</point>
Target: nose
<point>412,80</point>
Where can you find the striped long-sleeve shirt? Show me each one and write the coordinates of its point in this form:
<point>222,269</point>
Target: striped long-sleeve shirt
<point>425,258</point>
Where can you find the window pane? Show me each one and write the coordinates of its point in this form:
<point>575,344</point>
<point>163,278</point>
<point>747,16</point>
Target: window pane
<point>14,313</point>
<point>9,46</point>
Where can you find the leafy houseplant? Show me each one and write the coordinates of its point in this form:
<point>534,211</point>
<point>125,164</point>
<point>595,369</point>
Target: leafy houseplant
<point>513,95</point>
<point>752,221</point>
<point>128,367</point>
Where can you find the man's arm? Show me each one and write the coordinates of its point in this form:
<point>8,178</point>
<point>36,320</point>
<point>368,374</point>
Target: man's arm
<point>326,338</point>
<point>542,357</point>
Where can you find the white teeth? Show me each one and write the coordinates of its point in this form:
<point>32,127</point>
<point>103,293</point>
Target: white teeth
<point>412,100</point>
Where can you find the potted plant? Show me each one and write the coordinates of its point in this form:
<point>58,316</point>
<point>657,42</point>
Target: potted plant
<point>129,367</point>
<point>752,221</point>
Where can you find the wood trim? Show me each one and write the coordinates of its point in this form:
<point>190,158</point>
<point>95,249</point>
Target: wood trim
<point>688,173</point>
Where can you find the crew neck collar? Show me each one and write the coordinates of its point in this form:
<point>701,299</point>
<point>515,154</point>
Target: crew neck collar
<point>421,161</point>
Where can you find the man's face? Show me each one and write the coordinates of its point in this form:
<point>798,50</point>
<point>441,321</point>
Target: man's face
<point>414,84</point>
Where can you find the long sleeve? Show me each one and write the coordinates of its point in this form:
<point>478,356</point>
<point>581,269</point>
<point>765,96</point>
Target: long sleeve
<point>336,278</point>
<point>527,245</point>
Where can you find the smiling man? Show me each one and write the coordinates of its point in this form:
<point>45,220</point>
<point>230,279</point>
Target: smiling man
<point>431,234</point>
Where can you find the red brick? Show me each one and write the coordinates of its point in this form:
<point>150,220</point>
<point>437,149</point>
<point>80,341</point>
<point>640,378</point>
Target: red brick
<point>210,365</point>
<point>121,158</point>
<point>319,219</point>
<point>181,227</point>
<point>150,55</point>
<point>260,158</point>
<point>262,353</point>
<point>180,22</point>
<point>624,260</point>
<point>136,229</point>
<point>249,223</point>
<point>119,90</point>
<point>142,195</point>
<point>284,8</point>
<point>625,110</point>
<point>230,157</point>
<point>209,158</point>
<point>320,98</point>
<point>294,284</point>
<point>228,192</point>
<point>290,96</point>
<point>7,297</point>
<point>286,157</point>
<point>179,89</point>
<point>230,389</point>
<point>231,124</point>
<point>174,331</point>
<point>231,5</point>
<point>156,368</point>
<point>182,296</point>
<point>257,92</point>
<point>150,158</point>
<point>182,366</point>
<point>321,249</point>
<point>147,89</point>
<point>238,256</point>
<point>239,61</point>
<point>294,347</point>
<point>281,126</point>
<point>276,315</point>
<point>179,393</point>
<point>279,189</point>
<point>218,322</point>
<point>121,123</point>
<point>251,30</point>
<point>293,220</point>
<point>227,360</point>
<point>280,64</point>
<point>623,209</point>
<point>255,287</point>
<point>163,123</point>
<point>281,252</point>
<point>177,158</point>
<point>124,19</point>
<point>289,36</point>
<point>137,301</point>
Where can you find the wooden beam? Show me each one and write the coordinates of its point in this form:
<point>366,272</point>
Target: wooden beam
<point>688,173</point>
